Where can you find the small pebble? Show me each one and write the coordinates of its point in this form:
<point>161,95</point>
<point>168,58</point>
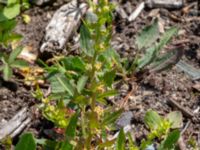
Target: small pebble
<point>124,119</point>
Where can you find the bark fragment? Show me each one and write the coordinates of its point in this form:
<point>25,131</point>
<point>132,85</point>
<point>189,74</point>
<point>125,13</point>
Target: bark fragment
<point>64,22</point>
<point>16,124</point>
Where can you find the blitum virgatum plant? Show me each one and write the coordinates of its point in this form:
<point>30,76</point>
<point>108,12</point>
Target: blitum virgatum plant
<point>81,84</point>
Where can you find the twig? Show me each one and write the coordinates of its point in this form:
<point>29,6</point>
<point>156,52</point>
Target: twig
<point>185,10</point>
<point>125,100</point>
<point>138,10</point>
<point>185,112</point>
<point>181,143</point>
<point>185,128</point>
<point>175,18</point>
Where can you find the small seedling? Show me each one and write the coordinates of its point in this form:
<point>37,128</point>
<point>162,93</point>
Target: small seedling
<point>160,130</point>
<point>10,61</point>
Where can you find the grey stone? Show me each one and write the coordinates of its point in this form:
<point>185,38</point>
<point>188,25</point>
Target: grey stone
<point>124,119</point>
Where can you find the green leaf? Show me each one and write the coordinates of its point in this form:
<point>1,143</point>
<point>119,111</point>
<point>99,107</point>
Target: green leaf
<point>81,100</point>
<point>71,128</point>
<point>116,58</point>
<point>10,2</point>
<point>70,133</point>
<point>9,37</point>
<point>26,142</point>
<point>74,63</point>
<point>106,144</point>
<point>176,118</point>
<point>25,4</point>
<point>19,64</point>
<point>111,58</point>
<point>7,25</point>
<point>148,36</point>
<point>165,61</point>
<point>2,17</point>
<point>121,140</point>
<point>64,82</point>
<point>167,36</point>
<point>152,119</point>
<point>85,41</point>
<point>11,11</point>
<point>14,54</point>
<point>111,117</point>
<point>7,72</point>
<point>131,143</point>
<point>147,58</point>
<point>62,95</point>
<point>66,146</point>
<point>107,94</point>
<point>60,84</point>
<point>47,144</point>
<point>170,141</point>
<point>14,37</point>
<point>81,83</point>
<point>152,52</point>
<point>109,77</point>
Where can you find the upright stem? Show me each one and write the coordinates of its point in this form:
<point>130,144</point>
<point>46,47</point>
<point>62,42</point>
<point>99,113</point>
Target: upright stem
<point>83,123</point>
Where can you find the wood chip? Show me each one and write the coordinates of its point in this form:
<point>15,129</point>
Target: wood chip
<point>61,27</point>
<point>137,11</point>
<point>170,4</point>
<point>188,69</point>
<point>121,12</point>
<point>27,55</point>
<point>16,124</point>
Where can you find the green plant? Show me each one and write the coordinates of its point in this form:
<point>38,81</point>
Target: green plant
<point>160,130</point>
<point>81,84</point>
<point>150,49</point>
<point>6,34</point>
<point>160,127</point>
<point>26,142</point>
<point>193,144</point>
<point>11,8</point>
<point>10,61</point>
<point>8,11</point>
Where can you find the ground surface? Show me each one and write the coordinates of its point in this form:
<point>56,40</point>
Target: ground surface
<point>154,91</point>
